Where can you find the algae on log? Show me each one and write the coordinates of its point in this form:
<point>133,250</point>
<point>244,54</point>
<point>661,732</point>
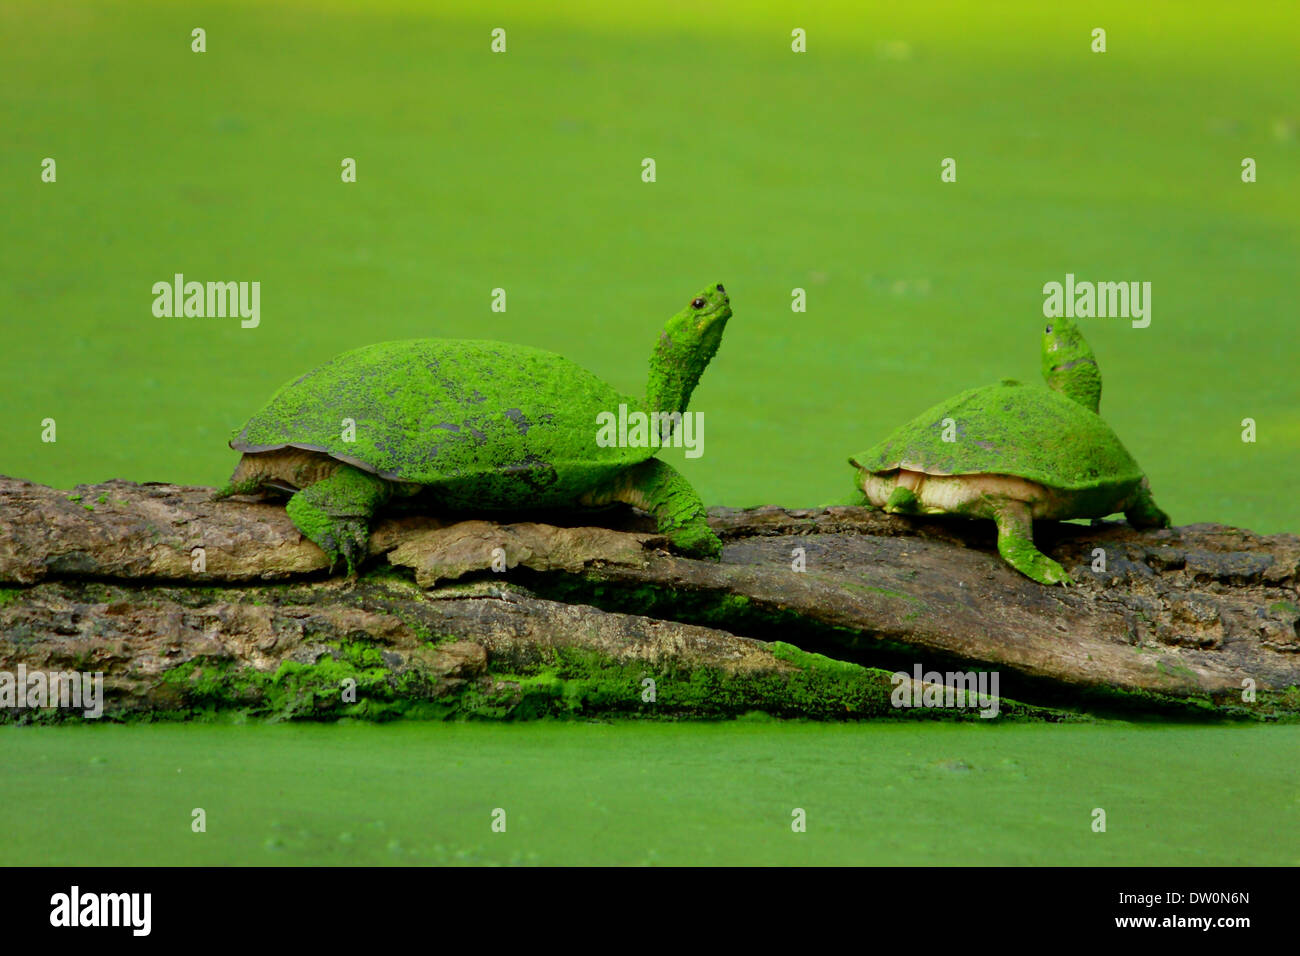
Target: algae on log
<point>470,650</point>
<point>603,620</point>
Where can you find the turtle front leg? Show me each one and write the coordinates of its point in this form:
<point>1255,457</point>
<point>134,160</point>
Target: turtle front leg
<point>1143,512</point>
<point>335,512</point>
<point>655,487</point>
<point>1016,544</point>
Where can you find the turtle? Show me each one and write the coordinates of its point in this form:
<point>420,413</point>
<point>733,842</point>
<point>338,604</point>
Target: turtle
<point>476,425</point>
<point>1015,453</point>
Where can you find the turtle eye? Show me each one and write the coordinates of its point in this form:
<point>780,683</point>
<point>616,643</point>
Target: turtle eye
<point>697,304</point>
<point>1048,330</point>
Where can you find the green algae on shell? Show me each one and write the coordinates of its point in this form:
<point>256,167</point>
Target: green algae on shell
<point>452,412</point>
<point>1025,431</point>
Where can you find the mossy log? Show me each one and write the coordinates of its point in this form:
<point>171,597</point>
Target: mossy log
<point>190,606</point>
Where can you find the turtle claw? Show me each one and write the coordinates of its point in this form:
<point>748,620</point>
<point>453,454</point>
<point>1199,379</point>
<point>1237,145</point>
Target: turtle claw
<point>349,540</point>
<point>1048,571</point>
<point>697,541</point>
<point>346,538</point>
<point>331,549</point>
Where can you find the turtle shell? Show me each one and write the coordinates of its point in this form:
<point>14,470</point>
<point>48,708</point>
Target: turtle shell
<point>451,412</point>
<point>1013,429</point>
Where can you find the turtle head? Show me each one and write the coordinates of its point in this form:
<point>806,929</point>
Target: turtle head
<point>686,345</point>
<point>1069,366</point>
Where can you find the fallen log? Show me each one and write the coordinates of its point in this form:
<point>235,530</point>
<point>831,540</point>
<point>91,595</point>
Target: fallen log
<point>190,605</point>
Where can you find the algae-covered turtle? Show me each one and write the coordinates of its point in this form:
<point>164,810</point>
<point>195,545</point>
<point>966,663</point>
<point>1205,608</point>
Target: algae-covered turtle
<point>477,426</point>
<point>1013,453</point>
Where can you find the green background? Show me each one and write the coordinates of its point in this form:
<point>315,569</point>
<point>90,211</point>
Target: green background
<point>774,171</point>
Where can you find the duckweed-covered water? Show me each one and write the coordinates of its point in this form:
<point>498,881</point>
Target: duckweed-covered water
<point>628,793</point>
<point>776,171</point>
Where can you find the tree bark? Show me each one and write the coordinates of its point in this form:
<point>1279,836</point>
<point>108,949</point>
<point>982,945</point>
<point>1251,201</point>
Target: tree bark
<point>189,605</point>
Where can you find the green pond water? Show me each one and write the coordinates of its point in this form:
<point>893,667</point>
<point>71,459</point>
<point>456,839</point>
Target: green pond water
<point>775,171</point>
<point>627,793</point>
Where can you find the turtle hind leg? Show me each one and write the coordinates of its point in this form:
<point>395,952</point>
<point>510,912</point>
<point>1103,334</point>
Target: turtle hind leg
<point>903,501</point>
<point>1143,512</point>
<point>250,477</point>
<point>1016,544</point>
<point>247,480</point>
<point>245,486</point>
<point>334,513</point>
<point>654,486</point>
